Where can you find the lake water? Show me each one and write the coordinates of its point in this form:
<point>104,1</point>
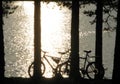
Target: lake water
<point>56,24</point>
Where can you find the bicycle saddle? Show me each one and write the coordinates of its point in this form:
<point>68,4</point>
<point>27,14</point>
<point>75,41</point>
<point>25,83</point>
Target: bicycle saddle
<point>87,51</point>
<point>62,52</point>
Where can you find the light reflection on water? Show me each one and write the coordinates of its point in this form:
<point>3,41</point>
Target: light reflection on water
<point>18,31</point>
<point>18,36</point>
<point>56,24</point>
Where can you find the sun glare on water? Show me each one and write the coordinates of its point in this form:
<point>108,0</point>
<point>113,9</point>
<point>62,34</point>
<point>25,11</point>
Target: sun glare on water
<point>50,22</point>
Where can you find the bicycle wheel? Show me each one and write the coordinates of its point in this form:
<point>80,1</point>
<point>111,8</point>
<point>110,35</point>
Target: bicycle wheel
<point>30,69</point>
<point>92,71</point>
<point>64,69</point>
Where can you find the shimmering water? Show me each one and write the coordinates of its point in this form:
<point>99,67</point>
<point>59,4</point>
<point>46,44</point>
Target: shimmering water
<point>56,24</point>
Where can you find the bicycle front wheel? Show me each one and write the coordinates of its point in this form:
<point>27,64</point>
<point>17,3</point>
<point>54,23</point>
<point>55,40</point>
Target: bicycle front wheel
<point>31,67</point>
<point>92,71</point>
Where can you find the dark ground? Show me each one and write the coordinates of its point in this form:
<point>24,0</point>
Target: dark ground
<point>52,81</point>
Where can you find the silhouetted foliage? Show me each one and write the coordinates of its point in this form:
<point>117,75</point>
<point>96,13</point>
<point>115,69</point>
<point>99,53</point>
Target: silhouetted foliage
<point>8,7</point>
<point>108,7</point>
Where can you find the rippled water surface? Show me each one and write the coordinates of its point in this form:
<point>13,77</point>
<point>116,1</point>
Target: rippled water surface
<point>56,24</point>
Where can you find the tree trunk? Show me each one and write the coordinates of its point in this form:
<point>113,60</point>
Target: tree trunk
<point>74,72</point>
<point>2,62</point>
<point>37,41</point>
<point>98,52</point>
<point>116,68</point>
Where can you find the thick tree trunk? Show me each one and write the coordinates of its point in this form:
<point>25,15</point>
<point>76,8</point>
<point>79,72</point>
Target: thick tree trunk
<point>116,68</point>
<point>98,52</point>
<point>37,40</point>
<point>2,61</point>
<point>74,72</point>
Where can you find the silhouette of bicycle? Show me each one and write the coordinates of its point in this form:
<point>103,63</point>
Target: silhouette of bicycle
<point>59,69</point>
<point>88,68</point>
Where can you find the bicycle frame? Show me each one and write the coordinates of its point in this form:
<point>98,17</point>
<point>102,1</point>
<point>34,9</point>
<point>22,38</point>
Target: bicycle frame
<point>44,56</point>
<point>83,69</point>
<point>85,58</point>
<point>55,70</point>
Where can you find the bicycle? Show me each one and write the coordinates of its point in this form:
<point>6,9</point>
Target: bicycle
<point>58,70</point>
<point>89,68</point>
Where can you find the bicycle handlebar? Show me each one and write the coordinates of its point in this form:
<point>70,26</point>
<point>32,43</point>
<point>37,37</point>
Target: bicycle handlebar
<point>44,51</point>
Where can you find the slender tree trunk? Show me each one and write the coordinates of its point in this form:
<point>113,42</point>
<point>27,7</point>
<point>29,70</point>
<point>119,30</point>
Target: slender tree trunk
<point>2,62</point>
<point>116,68</point>
<point>98,52</point>
<point>37,40</point>
<point>74,72</point>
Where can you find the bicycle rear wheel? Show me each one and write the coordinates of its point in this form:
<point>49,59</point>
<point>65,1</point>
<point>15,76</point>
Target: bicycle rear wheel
<point>65,69</point>
<point>92,71</point>
<point>30,69</point>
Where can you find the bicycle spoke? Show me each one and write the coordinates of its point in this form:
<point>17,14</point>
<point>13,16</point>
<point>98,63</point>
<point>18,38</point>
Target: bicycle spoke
<point>65,70</point>
<point>91,70</point>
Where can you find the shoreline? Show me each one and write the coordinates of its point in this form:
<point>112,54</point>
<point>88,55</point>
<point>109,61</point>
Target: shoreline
<point>14,80</point>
